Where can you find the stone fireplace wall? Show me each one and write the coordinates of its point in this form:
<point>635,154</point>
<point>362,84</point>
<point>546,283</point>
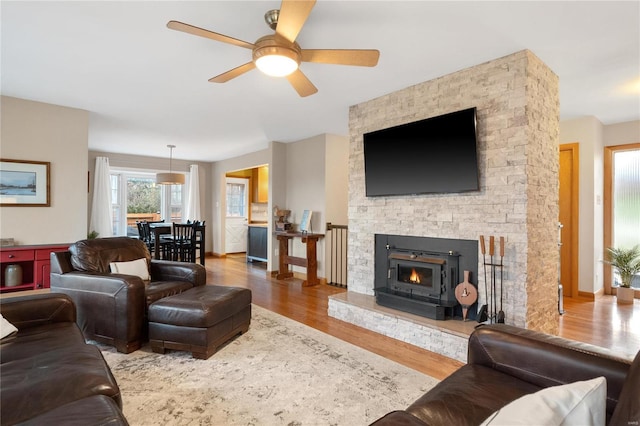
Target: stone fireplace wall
<point>517,105</point>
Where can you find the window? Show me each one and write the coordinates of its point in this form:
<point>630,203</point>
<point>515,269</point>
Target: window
<point>175,205</point>
<point>622,205</point>
<point>136,197</point>
<point>115,203</point>
<point>237,197</point>
<point>626,198</point>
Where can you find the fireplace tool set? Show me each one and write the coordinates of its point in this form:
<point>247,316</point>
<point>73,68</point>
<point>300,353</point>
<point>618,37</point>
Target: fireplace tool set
<point>489,311</point>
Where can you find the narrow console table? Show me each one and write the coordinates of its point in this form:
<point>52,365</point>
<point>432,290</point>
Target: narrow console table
<point>310,262</point>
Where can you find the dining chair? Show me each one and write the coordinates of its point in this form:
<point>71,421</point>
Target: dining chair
<point>184,242</point>
<point>199,247</point>
<point>144,234</point>
<point>139,226</point>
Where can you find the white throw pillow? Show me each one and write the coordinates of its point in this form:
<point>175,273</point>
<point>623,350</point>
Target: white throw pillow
<point>136,267</point>
<point>6,328</point>
<point>580,403</point>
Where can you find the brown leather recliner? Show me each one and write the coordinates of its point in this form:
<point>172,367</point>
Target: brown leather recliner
<point>112,308</point>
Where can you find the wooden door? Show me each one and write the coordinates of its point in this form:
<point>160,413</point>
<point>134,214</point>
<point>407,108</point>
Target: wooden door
<point>568,198</point>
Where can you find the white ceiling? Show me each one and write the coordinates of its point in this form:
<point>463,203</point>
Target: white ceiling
<point>146,86</point>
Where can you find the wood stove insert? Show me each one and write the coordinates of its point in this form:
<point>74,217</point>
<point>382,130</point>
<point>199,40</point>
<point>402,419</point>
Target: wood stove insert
<point>419,274</point>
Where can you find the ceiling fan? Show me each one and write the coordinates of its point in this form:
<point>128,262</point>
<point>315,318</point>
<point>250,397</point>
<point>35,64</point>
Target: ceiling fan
<point>278,54</point>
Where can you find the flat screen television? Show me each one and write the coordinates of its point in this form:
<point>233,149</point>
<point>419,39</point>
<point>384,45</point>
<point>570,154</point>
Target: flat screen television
<point>435,155</point>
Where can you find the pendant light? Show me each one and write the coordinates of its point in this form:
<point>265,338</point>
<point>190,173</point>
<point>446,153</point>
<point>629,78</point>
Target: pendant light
<point>170,178</point>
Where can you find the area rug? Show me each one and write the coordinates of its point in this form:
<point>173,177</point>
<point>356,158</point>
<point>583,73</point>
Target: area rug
<point>280,372</point>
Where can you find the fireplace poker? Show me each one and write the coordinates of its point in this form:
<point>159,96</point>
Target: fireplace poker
<point>492,247</point>
<point>482,313</point>
<point>500,317</point>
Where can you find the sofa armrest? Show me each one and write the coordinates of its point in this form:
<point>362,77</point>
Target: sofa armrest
<point>110,285</point>
<point>111,308</point>
<point>546,360</point>
<point>35,310</point>
<point>166,270</point>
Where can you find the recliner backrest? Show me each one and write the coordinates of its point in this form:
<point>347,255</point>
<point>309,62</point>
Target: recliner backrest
<point>95,255</point>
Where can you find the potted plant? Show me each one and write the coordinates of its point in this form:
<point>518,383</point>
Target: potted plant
<point>627,262</point>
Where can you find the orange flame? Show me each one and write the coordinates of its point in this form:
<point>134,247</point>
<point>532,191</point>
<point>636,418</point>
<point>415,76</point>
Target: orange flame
<point>414,278</point>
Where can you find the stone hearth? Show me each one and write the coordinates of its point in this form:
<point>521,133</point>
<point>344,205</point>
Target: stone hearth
<point>448,338</point>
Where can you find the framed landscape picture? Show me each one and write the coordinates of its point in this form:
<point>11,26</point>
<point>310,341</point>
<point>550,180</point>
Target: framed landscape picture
<point>24,183</point>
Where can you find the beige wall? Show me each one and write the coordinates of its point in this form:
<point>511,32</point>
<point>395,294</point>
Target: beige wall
<point>337,179</point>
<point>622,133</point>
<point>59,135</point>
<point>306,191</point>
<point>277,195</point>
<point>305,180</point>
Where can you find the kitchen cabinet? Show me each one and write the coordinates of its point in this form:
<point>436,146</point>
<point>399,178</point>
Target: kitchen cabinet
<point>257,243</point>
<point>263,184</point>
<point>34,261</point>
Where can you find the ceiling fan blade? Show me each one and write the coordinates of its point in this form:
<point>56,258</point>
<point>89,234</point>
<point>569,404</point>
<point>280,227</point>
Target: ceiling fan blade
<point>293,15</point>
<point>236,72</point>
<point>358,57</point>
<point>301,83</point>
<point>190,29</point>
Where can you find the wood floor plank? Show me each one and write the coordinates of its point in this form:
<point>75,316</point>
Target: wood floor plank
<point>600,322</point>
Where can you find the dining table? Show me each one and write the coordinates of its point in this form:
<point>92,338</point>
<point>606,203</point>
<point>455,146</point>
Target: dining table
<point>159,229</point>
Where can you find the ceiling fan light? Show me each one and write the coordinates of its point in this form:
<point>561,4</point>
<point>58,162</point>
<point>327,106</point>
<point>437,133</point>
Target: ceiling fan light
<point>275,60</point>
<point>276,65</point>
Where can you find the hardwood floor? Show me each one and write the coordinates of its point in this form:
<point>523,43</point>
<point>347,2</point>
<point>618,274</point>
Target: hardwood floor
<point>601,323</point>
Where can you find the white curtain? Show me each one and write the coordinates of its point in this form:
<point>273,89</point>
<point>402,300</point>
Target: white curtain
<point>193,194</point>
<point>101,209</point>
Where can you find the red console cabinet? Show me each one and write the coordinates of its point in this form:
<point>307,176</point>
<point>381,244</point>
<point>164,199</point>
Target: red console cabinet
<point>35,264</point>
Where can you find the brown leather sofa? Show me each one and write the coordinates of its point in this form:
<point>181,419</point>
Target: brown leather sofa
<point>505,363</point>
<point>48,374</point>
<point>112,308</point>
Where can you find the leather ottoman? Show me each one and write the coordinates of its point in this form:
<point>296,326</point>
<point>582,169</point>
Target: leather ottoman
<point>199,320</point>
